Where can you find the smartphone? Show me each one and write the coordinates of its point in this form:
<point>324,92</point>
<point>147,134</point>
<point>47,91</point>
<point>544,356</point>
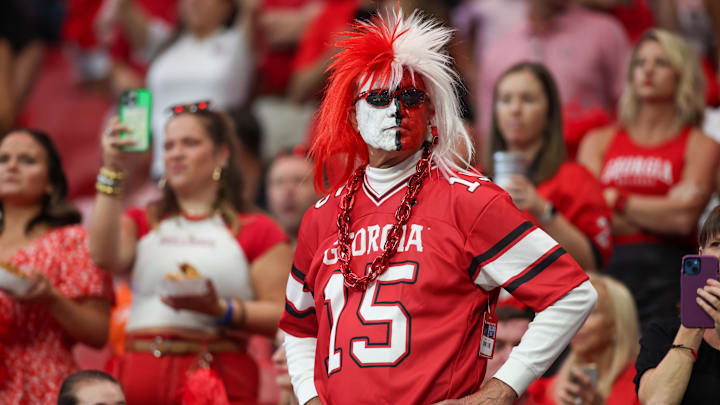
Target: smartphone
<point>135,107</point>
<point>589,370</point>
<point>696,269</point>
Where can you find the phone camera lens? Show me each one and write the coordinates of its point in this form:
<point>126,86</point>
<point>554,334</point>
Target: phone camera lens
<point>692,266</point>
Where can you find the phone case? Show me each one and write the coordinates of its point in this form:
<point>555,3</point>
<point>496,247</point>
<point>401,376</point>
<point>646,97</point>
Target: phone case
<point>691,314</point>
<point>592,372</point>
<point>135,107</point>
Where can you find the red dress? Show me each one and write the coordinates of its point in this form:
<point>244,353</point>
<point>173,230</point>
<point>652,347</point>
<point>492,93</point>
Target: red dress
<point>37,355</point>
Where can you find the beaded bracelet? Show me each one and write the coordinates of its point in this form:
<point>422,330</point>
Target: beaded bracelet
<point>112,174</point>
<point>102,179</point>
<point>109,182</point>
<point>112,191</point>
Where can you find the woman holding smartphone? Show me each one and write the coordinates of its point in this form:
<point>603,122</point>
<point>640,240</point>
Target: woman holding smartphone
<point>201,222</point>
<point>679,365</point>
<point>599,369</point>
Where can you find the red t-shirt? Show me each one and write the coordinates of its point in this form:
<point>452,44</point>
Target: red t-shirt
<point>622,393</point>
<point>413,337</point>
<point>643,170</point>
<point>577,195</point>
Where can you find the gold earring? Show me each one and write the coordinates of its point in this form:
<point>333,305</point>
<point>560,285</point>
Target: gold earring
<point>162,182</point>
<point>217,173</point>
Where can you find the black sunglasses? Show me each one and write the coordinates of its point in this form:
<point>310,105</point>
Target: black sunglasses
<point>410,97</point>
<point>191,108</point>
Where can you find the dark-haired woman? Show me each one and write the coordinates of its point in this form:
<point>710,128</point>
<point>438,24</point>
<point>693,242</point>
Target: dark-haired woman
<point>69,298</point>
<point>201,220</point>
<point>562,196</point>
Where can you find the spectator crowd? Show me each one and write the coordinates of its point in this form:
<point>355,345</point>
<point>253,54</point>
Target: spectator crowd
<point>599,118</point>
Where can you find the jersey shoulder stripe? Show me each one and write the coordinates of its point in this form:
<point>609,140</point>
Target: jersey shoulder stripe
<point>299,300</point>
<point>516,260</point>
<point>501,245</point>
<point>535,270</point>
<point>290,310</point>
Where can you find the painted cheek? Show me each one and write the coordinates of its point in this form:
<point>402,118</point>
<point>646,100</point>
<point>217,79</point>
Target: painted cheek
<point>414,120</point>
<point>371,124</point>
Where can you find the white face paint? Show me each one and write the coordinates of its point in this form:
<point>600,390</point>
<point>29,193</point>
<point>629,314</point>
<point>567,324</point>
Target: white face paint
<point>377,125</point>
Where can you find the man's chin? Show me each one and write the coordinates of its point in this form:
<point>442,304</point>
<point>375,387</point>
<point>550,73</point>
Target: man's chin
<point>385,141</point>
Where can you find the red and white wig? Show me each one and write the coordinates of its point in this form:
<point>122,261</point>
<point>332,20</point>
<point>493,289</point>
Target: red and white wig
<point>380,51</point>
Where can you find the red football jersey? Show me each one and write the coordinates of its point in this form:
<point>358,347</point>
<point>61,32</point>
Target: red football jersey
<point>413,337</point>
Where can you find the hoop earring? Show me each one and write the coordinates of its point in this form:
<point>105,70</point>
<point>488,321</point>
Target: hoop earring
<point>162,182</point>
<point>217,173</point>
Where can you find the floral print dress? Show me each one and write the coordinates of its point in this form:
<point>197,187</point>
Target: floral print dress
<point>35,356</point>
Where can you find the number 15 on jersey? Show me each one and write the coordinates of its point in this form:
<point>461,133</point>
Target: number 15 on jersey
<point>371,311</point>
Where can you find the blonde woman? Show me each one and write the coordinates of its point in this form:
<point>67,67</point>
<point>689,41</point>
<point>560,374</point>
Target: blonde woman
<point>657,168</point>
<point>600,367</point>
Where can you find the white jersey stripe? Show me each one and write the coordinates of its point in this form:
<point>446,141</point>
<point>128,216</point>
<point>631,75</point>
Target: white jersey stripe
<point>300,299</point>
<point>515,260</point>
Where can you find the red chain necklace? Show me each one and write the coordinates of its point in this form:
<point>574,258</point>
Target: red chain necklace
<point>402,215</point>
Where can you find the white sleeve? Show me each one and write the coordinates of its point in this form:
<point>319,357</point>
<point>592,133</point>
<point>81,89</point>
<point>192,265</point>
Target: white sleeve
<point>546,337</point>
<point>300,354</point>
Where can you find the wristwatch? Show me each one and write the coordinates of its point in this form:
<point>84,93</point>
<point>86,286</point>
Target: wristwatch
<point>548,213</point>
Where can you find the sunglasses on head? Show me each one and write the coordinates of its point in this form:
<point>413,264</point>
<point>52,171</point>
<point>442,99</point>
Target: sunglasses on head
<point>409,97</point>
<point>190,108</point>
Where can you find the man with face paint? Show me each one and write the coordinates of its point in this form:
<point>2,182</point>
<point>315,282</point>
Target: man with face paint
<point>395,127</point>
<point>397,269</point>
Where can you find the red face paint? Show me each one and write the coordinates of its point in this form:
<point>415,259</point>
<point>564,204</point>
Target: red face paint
<point>412,121</point>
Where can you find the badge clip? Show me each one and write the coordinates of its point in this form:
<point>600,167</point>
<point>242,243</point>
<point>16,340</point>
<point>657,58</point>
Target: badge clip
<point>489,328</point>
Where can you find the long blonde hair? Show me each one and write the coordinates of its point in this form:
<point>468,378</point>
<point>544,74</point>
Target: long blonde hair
<point>690,92</point>
<point>625,340</point>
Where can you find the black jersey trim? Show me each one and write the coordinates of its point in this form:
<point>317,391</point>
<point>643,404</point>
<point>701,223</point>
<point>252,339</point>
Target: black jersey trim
<point>385,195</point>
<point>535,270</point>
<point>298,274</point>
<point>290,310</point>
<point>498,247</point>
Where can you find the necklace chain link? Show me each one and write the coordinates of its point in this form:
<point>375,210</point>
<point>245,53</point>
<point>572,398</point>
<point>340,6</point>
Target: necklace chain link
<point>402,215</point>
